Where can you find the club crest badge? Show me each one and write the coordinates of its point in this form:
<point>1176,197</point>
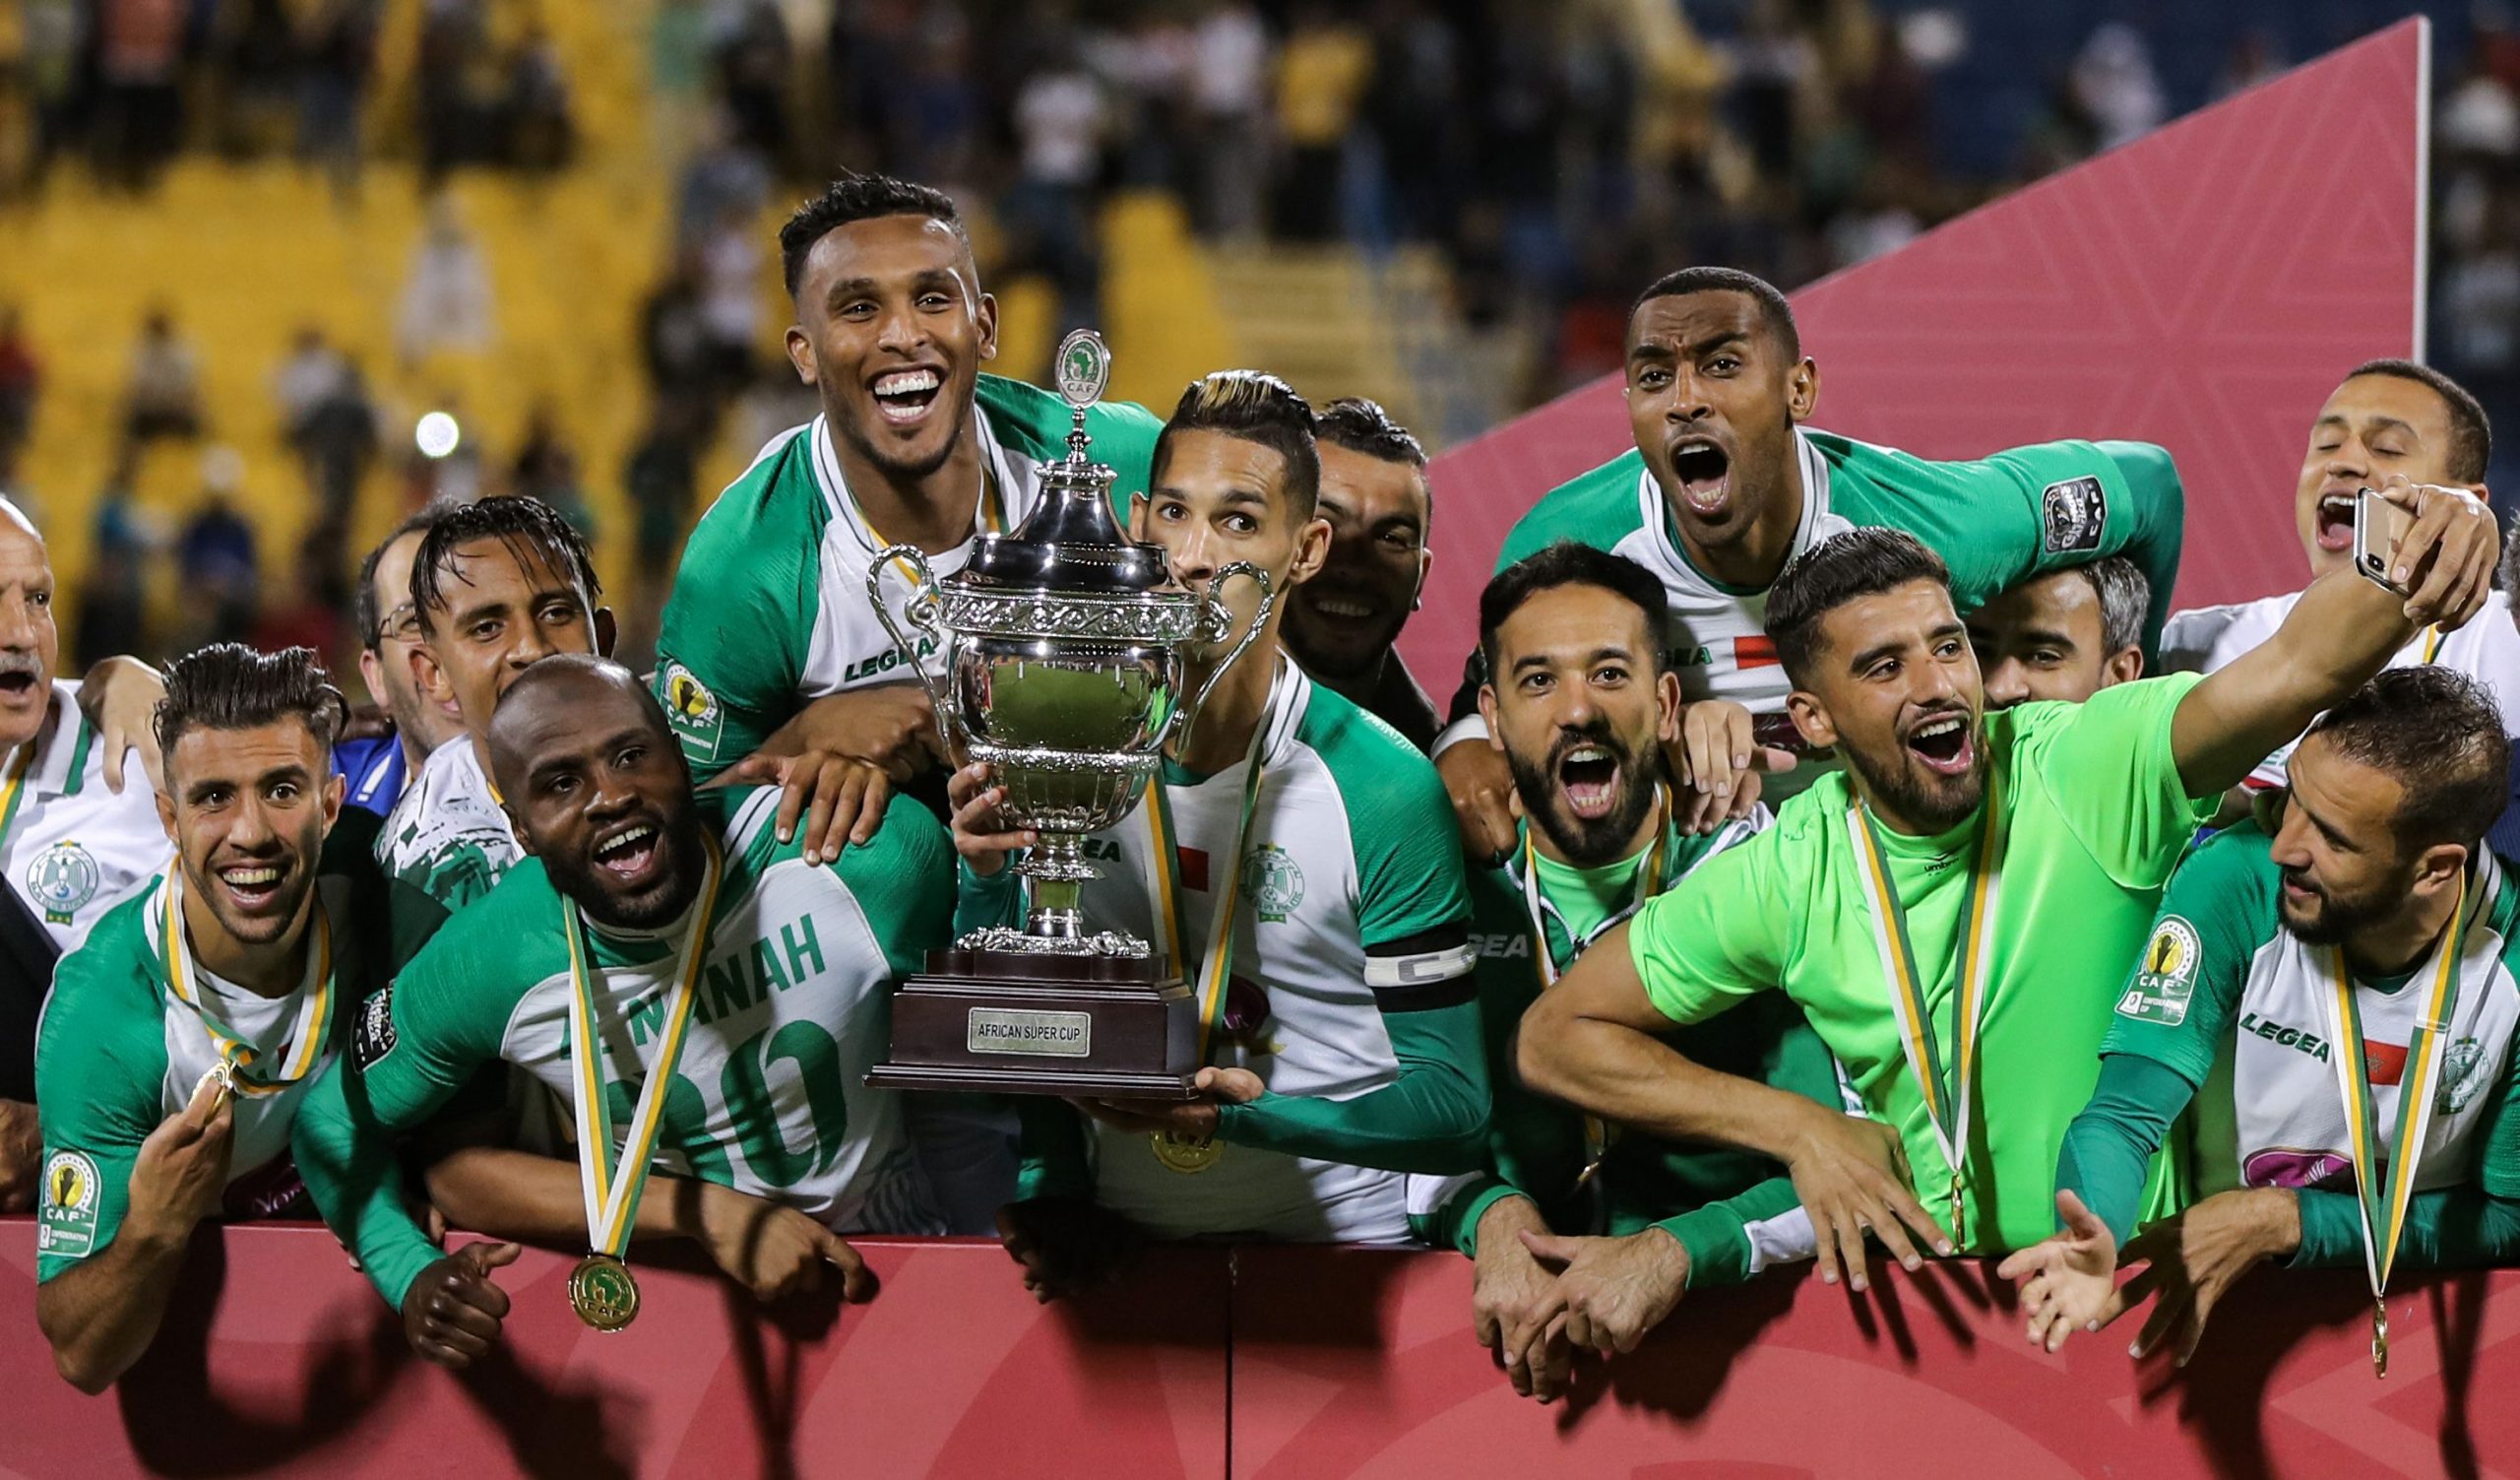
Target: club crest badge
<point>61,879</point>
<point>2072,514</point>
<point>1272,882</point>
<point>2460,1077</point>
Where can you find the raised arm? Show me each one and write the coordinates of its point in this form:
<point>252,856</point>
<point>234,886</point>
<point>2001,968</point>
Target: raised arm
<point>2344,629</point>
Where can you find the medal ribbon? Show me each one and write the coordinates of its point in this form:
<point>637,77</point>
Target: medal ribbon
<point>2384,1200</point>
<point>1164,870</point>
<point>1947,1102</point>
<point>14,790</point>
<point>613,1196</point>
<point>989,517</point>
<point>305,1047</point>
<point>1596,1132</point>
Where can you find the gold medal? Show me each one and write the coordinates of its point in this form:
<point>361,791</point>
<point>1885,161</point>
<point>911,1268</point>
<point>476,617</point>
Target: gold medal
<point>2380,1339</point>
<point>1187,1157</point>
<point>603,1293</point>
<point>1958,1215</point>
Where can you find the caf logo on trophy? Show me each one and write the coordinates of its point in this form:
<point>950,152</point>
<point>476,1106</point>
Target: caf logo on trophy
<point>1064,648</point>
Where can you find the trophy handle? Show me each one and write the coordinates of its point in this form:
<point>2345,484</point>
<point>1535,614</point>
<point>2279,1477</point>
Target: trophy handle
<point>921,614</point>
<point>1213,622</point>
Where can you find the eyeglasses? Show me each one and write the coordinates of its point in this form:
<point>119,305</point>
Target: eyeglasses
<point>402,624</point>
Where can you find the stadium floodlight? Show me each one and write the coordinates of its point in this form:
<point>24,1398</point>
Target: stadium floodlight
<point>437,434</point>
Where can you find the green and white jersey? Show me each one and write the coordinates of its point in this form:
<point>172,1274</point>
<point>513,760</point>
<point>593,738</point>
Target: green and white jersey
<point>2095,819</point>
<point>120,1051</point>
<point>1995,522</point>
<point>2223,991</point>
<point>791,1010</point>
<point>447,836</point>
<point>2207,639</point>
<point>769,608</point>
<point>1352,921</point>
<point>70,845</point>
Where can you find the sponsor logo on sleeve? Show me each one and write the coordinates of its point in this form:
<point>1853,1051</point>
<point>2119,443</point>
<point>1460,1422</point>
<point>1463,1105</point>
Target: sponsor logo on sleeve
<point>695,713</point>
<point>66,1225</point>
<point>2073,515</point>
<point>374,1037</point>
<point>2166,977</point>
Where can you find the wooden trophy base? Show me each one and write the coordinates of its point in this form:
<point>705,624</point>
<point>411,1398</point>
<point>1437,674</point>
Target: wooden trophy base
<point>1016,1023</point>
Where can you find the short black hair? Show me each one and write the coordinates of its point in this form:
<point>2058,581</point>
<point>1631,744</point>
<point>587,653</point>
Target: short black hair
<point>1772,304</point>
<point>228,685</point>
<point>525,525</point>
<point>1569,563</point>
<point>2471,430</point>
<point>1256,406</point>
<point>363,600</point>
<point>1363,425</point>
<point>2439,733</point>
<point>859,197</point>
<point>1859,562</point>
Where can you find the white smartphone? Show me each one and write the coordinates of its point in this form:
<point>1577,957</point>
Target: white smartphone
<point>2378,526</point>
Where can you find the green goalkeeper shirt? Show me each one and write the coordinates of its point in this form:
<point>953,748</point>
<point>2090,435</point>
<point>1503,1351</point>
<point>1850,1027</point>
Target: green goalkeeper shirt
<point>1727,1208</point>
<point>2093,816</point>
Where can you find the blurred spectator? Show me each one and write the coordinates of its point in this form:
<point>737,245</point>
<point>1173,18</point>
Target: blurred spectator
<point>731,261</point>
<point>309,613</point>
<point>2115,80</point>
<point>458,89</point>
<point>677,81</point>
<point>1322,74</point>
<point>254,55</point>
<point>113,602</point>
<point>1229,97</point>
<point>753,62</point>
<point>723,178</point>
<point>446,300</point>
<point>54,60</point>
<point>215,557</point>
<point>684,360</point>
<point>536,109</point>
<point>662,480</point>
<point>337,442</point>
<point>336,50</point>
<point>21,381</point>
<point>1058,124</point>
<point>138,43</point>
<point>312,373</point>
<point>162,397</point>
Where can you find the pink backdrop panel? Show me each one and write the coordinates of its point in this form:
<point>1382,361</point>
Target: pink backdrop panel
<point>2203,287</point>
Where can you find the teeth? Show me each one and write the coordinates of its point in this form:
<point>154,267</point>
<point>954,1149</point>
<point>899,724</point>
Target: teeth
<point>906,383</point>
<point>625,840</point>
<point>246,878</point>
<point>1937,727</point>
<point>1588,753</point>
<point>1336,606</point>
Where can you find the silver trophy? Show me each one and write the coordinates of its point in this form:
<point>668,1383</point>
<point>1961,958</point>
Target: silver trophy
<point>1066,648</point>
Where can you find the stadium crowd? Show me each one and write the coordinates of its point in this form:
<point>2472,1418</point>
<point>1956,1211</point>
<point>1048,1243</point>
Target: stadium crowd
<point>1828,855</point>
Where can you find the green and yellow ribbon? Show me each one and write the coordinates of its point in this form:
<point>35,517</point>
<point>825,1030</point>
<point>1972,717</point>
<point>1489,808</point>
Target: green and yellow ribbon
<point>1947,1097</point>
<point>14,789</point>
<point>303,1051</point>
<point>2383,1198</point>
<point>1164,868</point>
<point>612,1188</point>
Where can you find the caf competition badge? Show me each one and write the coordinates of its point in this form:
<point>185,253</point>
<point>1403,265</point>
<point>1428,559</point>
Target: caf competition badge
<point>603,1293</point>
<point>1187,1157</point>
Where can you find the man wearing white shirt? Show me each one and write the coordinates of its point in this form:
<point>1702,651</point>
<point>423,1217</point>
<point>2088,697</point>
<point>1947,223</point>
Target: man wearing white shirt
<point>2390,418</point>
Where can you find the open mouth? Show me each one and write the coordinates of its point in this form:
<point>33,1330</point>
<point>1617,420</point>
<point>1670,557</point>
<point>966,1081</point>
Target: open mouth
<point>1342,607</point>
<point>1944,745</point>
<point>1704,474</point>
<point>255,887</point>
<point>2333,526</point>
<point>629,854</point>
<point>19,685</point>
<point>905,397</point>
<point>1588,773</point>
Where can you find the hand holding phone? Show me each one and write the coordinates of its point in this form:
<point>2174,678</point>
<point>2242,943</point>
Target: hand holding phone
<point>2378,527</point>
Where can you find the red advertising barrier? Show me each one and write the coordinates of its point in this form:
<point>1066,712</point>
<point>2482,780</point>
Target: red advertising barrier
<point>2203,287</point>
<point>1266,1363</point>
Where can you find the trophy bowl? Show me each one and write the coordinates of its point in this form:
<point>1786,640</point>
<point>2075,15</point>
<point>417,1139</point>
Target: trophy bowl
<point>1066,651</point>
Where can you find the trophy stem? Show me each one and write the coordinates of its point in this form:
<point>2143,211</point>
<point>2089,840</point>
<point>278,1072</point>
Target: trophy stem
<point>1058,871</point>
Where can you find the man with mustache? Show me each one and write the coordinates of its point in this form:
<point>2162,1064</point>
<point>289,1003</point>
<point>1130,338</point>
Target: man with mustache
<point>711,961</point>
<point>1726,486</point>
<point>1586,1238</point>
<point>767,640</point>
<point>1953,912</point>
<point>2369,878</point>
<point>2062,636</point>
<point>2388,418</point>
<point>79,827</point>
<point>187,1028</point>
<point>378,767</point>
<point>1298,860</point>
<point>1342,624</point>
